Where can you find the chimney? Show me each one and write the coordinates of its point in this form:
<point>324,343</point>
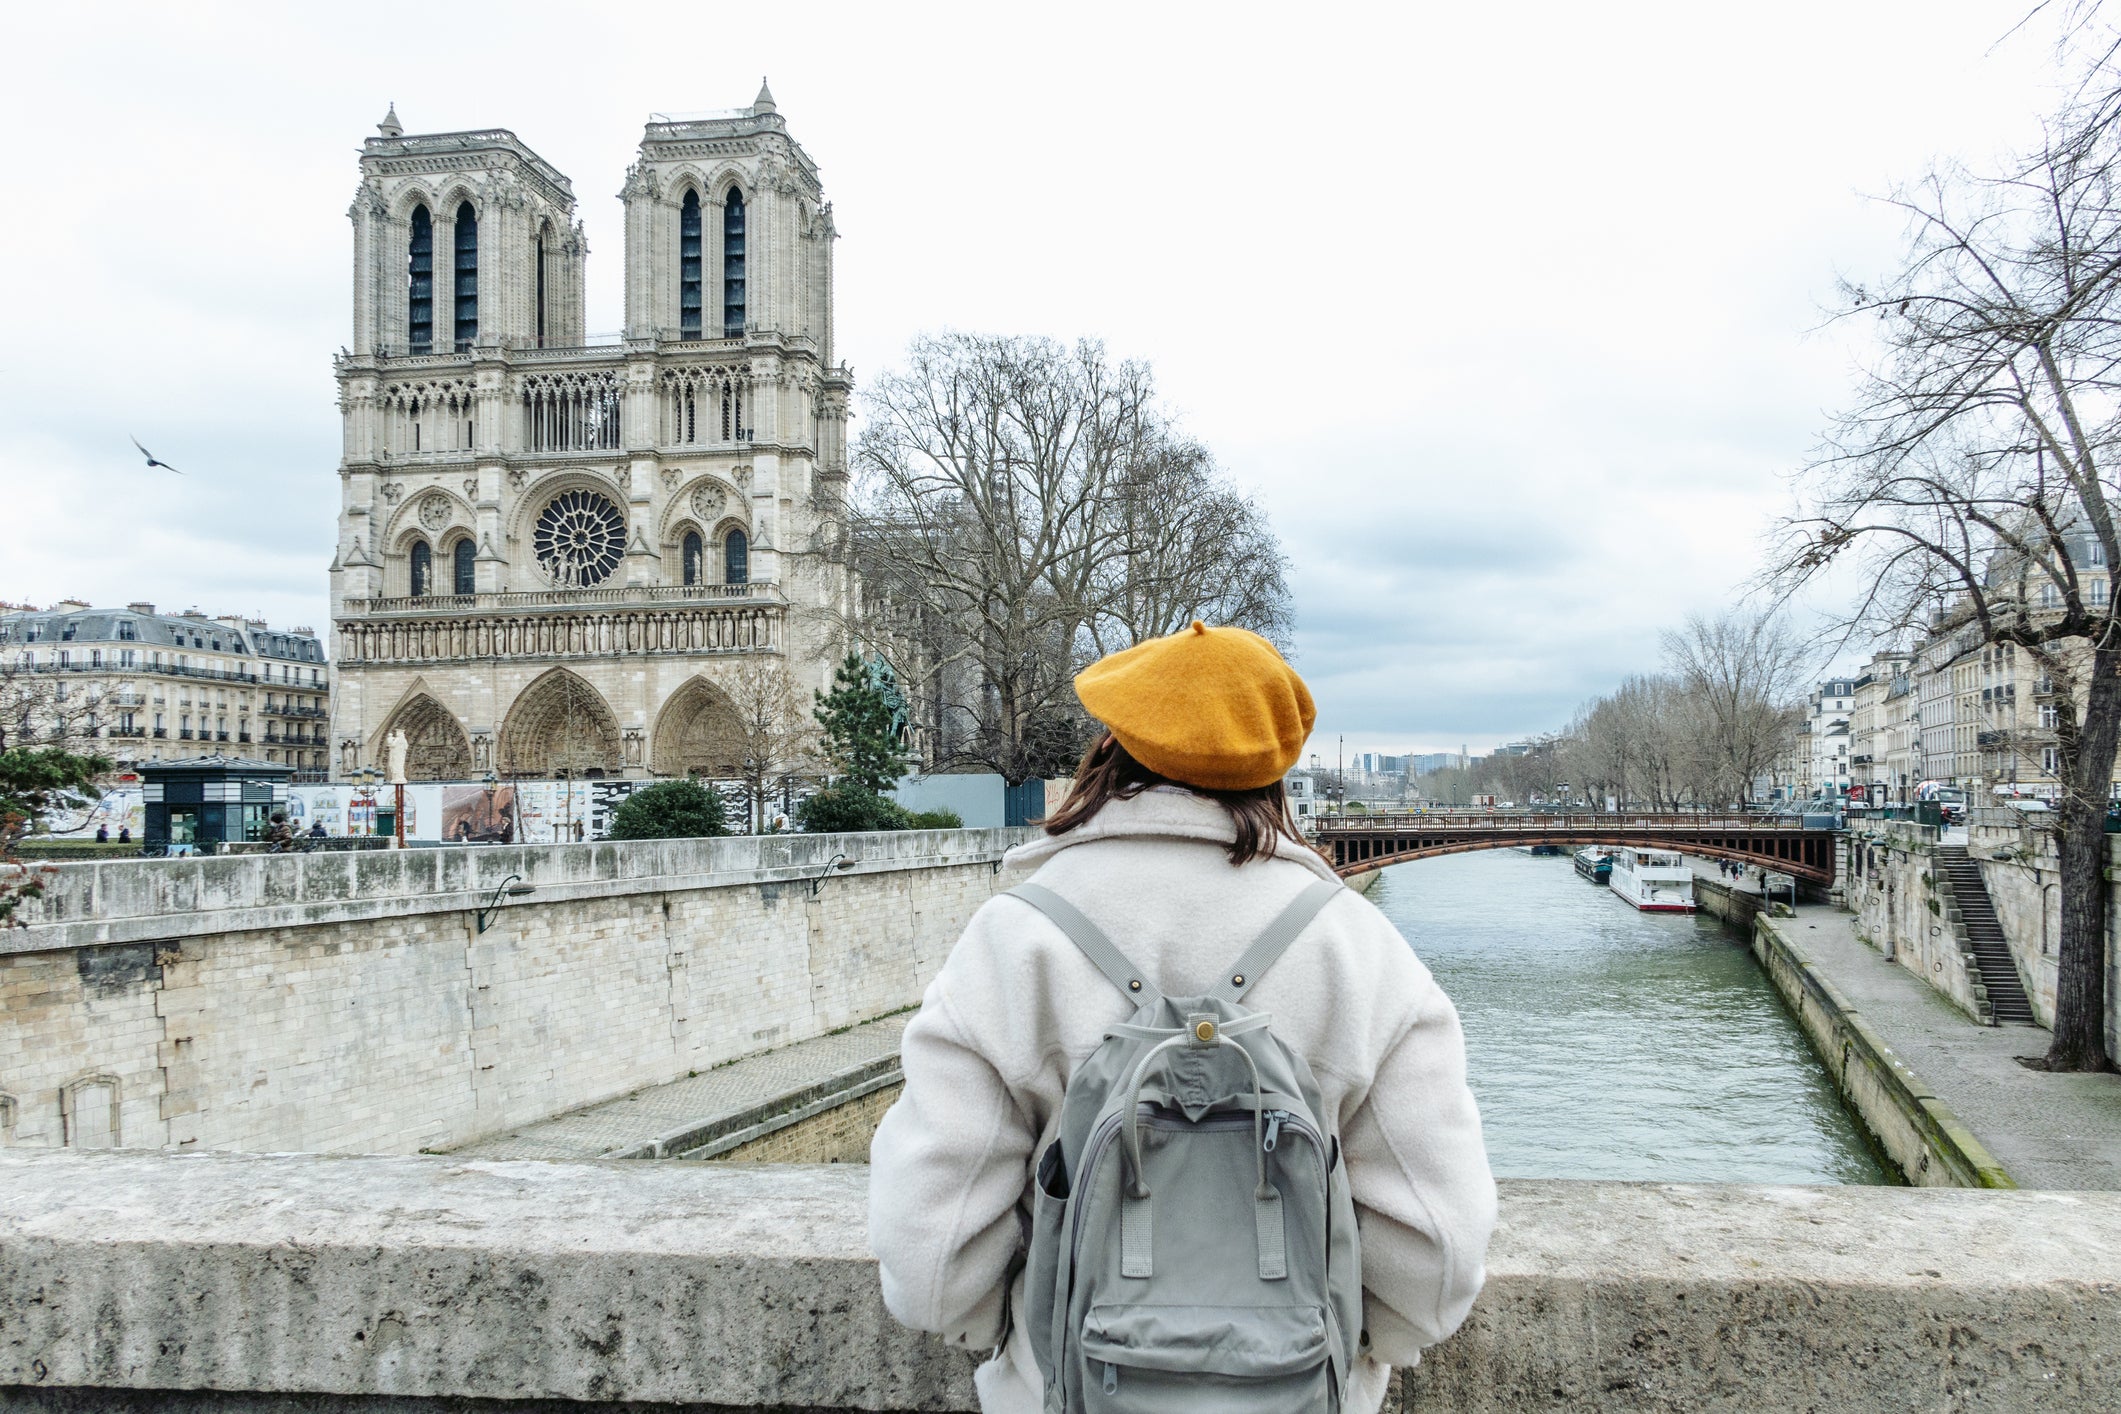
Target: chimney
<point>72,606</point>
<point>140,608</point>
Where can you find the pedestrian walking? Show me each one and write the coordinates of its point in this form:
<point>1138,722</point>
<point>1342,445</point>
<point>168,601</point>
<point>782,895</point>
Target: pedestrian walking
<point>1173,863</point>
<point>102,834</point>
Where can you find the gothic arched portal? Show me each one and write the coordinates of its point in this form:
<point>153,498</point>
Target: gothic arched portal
<point>559,723</point>
<point>436,748</point>
<point>699,734</point>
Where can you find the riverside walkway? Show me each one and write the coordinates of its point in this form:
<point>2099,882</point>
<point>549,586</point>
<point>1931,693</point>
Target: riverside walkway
<point>719,1110</point>
<point>2049,1131</point>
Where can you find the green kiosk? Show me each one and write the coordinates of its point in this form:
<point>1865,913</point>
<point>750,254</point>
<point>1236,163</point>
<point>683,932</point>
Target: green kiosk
<point>197,806</point>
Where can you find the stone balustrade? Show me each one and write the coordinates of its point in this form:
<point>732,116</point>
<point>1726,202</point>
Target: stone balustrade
<point>555,632</point>
<point>189,1282</point>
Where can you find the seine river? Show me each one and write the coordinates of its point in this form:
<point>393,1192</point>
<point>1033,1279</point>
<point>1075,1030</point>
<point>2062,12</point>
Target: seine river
<point>1606,1043</point>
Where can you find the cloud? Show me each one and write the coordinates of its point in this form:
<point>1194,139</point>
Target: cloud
<point>1506,316</point>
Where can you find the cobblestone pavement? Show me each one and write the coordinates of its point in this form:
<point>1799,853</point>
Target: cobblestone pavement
<point>2049,1131</point>
<point>632,1120</point>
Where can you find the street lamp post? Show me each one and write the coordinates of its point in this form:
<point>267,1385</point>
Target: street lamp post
<point>365,779</point>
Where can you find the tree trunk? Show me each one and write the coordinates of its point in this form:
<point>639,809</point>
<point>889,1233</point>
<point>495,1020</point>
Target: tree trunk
<point>2080,980</point>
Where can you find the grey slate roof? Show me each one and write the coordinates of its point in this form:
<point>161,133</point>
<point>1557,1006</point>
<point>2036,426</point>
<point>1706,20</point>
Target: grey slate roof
<point>160,631</point>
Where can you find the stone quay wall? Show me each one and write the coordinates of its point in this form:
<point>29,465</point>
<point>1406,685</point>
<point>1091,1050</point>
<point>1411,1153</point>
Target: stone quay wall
<point>1736,907</point>
<point>1926,1141</point>
<point>347,1003</point>
<point>1894,884</point>
<point>147,1282</point>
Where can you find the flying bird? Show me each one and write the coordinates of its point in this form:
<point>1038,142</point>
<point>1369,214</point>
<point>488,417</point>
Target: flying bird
<point>152,459</point>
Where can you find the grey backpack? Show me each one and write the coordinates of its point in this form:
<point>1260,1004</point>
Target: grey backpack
<point>1193,1241</point>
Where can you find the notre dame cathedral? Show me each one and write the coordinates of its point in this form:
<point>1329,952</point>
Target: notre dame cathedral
<point>557,549</point>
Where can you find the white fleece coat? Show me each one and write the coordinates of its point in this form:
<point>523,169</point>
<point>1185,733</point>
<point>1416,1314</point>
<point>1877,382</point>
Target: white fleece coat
<point>1016,1007</point>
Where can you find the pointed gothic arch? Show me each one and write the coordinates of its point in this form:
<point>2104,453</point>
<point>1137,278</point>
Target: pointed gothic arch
<point>560,724</point>
<point>436,748</point>
<point>698,733</point>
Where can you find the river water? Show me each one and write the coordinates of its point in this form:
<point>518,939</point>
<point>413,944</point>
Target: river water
<point>1607,1043</point>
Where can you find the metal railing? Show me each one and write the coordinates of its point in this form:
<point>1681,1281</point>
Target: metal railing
<point>1529,823</point>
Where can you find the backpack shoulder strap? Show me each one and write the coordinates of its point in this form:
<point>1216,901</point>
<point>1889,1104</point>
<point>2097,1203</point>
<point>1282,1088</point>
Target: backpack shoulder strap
<point>1271,944</point>
<point>1094,944</point>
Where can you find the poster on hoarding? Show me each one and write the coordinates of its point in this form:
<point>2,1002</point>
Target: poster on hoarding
<point>118,809</point>
<point>470,815</point>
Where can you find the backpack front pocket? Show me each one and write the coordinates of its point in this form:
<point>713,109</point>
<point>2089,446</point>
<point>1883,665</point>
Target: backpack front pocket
<point>1182,1359</point>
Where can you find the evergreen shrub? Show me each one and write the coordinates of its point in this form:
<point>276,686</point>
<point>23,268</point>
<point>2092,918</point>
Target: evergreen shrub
<point>671,810</point>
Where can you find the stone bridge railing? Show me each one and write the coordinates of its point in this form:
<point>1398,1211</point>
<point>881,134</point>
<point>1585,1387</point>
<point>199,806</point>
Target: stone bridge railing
<point>150,1281</point>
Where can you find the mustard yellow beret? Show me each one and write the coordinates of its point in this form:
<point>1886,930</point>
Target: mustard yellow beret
<point>1209,707</point>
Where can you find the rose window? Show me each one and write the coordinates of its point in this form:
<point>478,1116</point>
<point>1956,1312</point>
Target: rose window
<point>579,538</point>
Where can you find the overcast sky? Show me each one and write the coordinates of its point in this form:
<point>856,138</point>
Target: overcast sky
<point>1509,315</point>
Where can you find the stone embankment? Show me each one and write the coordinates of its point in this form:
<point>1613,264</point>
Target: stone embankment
<point>351,1003</point>
<point>150,1282</point>
<point>1927,1142</point>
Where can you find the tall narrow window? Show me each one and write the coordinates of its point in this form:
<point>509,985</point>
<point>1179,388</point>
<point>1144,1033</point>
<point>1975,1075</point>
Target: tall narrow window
<point>464,572</point>
<point>467,281</point>
<point>736,559</point>
<point>733,264</point>
<point>541,291</point>
<point>420,284</point>
<point>423,564</point>
<point>689,269</point>
<point>692,556</point>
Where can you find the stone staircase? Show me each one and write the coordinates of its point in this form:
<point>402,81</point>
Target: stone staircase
<point>1983,933</point>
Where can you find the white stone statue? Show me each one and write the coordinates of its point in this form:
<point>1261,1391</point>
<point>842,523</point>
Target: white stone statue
<point>395,744</point>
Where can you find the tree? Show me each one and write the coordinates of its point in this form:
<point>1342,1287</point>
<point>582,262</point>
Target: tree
<point>1187,547</point>
<point>32,779</point>
<point>860,720</point>
<point>40,705</point>
<point>1970,482</point>
<point>771,737</point>
<point>1021,507</point>
<point>1744,677</point>
<point>671,810</point>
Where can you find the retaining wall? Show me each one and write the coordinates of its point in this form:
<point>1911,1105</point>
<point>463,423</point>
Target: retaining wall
<point>1893,885</point>
<point>348,1003</point>
<point>1904,909</point>
<point>1927,1142</point>
<point>1736,907</point>
<point>153,1282</point>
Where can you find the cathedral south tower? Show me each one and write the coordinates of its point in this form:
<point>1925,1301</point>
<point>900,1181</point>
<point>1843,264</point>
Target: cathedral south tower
<point>561,551</point>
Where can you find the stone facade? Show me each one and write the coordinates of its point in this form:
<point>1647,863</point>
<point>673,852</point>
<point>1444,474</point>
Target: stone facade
<point>555,548</point>
<point>136,685</point>
<point>350,1003</point>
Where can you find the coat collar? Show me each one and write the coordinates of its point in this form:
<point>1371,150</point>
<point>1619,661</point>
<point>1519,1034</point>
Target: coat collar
<point>1161,812</point>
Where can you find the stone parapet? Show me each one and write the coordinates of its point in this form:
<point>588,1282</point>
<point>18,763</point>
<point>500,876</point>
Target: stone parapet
<point>404,1001</point>
<point>131,900</point>
<point>148,1282</point>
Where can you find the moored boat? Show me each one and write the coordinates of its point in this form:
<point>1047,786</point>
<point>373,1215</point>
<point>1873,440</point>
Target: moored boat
<point>1595,862</point>
<point>1654,880</point>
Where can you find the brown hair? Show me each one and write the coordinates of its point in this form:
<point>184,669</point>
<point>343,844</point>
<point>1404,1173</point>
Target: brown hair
<point>1109,773</point>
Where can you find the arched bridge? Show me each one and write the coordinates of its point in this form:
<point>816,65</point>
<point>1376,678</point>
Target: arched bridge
<point>1359,843</point>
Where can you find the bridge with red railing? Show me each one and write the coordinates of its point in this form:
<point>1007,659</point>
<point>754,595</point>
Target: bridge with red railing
<point>1359,843</point>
